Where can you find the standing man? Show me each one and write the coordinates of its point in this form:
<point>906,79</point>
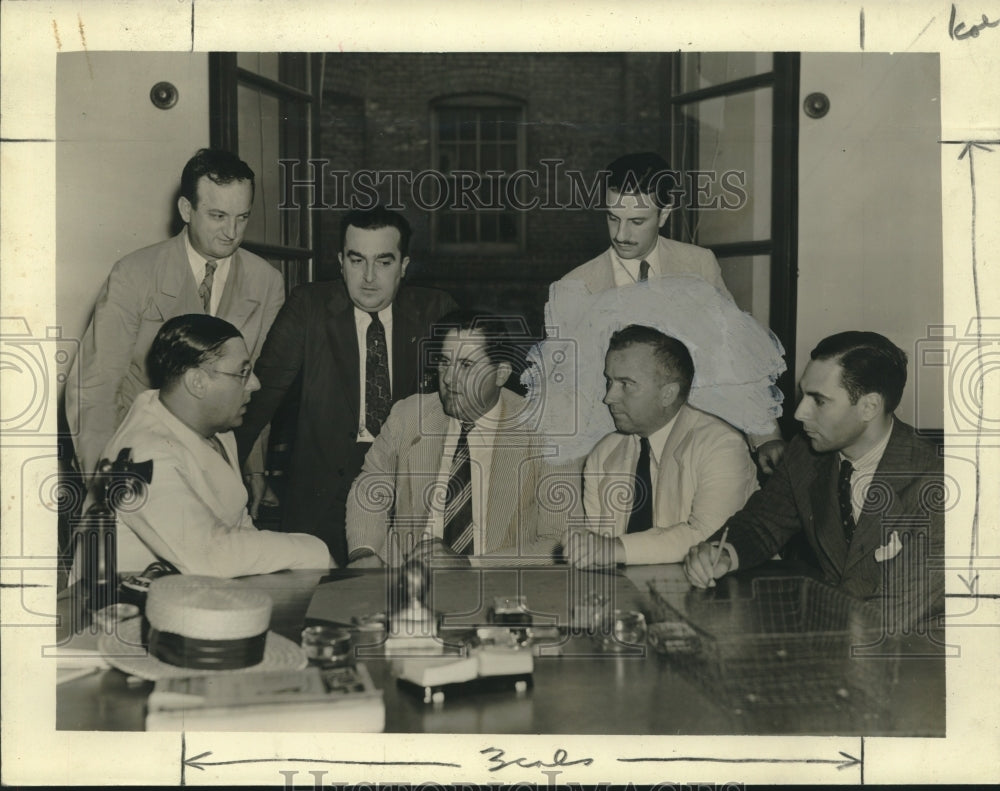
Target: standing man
<point>201,270</point>
<point>355,345</point>
<point>462,465</point>
<point>687,471</point>
<point>193,513</point>
<point>637,204</point>
<point>858,483</point>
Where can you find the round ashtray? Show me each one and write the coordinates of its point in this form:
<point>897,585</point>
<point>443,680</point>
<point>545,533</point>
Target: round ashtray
<point>328,645</point>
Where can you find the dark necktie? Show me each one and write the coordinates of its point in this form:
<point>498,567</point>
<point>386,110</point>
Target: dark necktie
<point>644,270</point>
<point>378,394</point>
<point>205,289</point>
<point>642,500</point>
<point>458,505</point>
<point>844,498</point>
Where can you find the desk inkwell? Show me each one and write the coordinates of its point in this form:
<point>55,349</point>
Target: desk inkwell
<point>412,624</point>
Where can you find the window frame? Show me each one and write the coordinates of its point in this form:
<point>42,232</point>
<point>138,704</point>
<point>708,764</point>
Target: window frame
<point>479,101</point>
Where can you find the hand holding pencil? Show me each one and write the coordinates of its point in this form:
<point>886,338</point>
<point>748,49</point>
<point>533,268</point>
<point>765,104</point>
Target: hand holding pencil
<point>706,562</point>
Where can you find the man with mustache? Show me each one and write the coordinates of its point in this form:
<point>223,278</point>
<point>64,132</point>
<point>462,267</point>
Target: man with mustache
<point>193,513</point>
<point>637,203</point>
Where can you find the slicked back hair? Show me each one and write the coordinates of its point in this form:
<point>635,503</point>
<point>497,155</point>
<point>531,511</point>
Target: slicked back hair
<point>869,363</point>
<point>220,167</point>
<point>186,342</point>
<point>672,355</point>
<point>642,173</point>
<point>374,219</point>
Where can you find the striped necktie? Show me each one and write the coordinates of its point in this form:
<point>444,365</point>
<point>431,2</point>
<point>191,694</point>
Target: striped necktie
<point>458,505</point>
<point>205,289</point>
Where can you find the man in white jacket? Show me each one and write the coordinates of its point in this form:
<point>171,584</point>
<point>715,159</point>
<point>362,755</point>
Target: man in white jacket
<point>193,513</point>
<point>670,475</point>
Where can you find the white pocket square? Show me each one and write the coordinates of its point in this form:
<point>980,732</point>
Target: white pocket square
<point>892,548</point>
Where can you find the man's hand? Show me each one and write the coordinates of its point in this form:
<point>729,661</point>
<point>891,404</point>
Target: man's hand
<point>366,562</point>
<point>769,455</point>
<point>590,550</point>
<point>698,564</point>
<point>435,552</point>
<point>257,484</point>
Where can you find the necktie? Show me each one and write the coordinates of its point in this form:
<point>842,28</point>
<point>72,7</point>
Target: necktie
<point>642,500</point>
<point>378,394</point>
<point>644,270</point>
<point>844,498</point>
<point>205,289</point>
<point>458,505</point>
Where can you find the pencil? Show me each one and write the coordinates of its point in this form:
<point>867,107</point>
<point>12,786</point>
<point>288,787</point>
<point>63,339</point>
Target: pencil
<point>718,552</point>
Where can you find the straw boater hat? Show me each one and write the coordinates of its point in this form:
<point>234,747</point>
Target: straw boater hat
<point>200,625</point>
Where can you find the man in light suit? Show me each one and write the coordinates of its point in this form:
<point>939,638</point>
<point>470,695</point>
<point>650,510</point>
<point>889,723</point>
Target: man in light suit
<point>193,513</point>
<point>353,346</point>
<point>637,205</point>
<point>670,475</point>
<point>863,489</point>
<point>201,270</point>
<point>452,477</point>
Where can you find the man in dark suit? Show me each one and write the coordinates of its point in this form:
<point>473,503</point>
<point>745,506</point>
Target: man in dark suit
<point>201,270</point>
<point>354,344</point>
<point>858,484</point>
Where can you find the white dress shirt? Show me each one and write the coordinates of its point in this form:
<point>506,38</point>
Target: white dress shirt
<point>481,439</point>
<point>197,261</point>
<point>626,272</point>
<point>362,321</point>
<point>864,471</point>
<point>657,442</point>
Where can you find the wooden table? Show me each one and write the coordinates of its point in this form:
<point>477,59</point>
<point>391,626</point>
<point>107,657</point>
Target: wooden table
<point>581,691</point>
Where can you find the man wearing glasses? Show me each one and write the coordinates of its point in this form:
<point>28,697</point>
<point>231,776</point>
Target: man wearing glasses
<point>193,513</point>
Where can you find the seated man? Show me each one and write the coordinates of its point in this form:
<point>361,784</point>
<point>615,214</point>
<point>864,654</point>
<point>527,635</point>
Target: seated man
<point>685,471</point>
<point>462,463</point>
<point>859,485</point>
<point>194,514</point>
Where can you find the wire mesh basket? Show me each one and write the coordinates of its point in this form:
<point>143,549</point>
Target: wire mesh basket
<point>789,644</point>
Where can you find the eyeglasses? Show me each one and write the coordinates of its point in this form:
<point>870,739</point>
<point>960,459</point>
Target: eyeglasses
<point>243,376</point>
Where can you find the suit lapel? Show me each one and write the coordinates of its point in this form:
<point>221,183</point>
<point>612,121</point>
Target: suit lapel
<point>343,336</point>
<point>868,534</point>
<point>239,302</point>
<point>619,470</point>
<point>503,498</point>
<point>602,277</point>
<point>823,510</point>
<point>178,292</point>
<point>425,452</point>
<point>406,351</point>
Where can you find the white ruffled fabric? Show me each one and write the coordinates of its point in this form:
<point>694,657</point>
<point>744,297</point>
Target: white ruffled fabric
<point>736,360</point>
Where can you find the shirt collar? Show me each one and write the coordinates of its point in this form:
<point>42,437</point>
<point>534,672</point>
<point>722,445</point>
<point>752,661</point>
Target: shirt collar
<point>870,461</point>
<point>658,439</point>
<point>487,423</point>
<point>197,260</point>
<point>632,265</point>
<point>384,315</point>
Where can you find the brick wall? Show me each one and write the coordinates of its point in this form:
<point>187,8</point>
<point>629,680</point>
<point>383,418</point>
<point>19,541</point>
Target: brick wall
<point>582,108</point>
